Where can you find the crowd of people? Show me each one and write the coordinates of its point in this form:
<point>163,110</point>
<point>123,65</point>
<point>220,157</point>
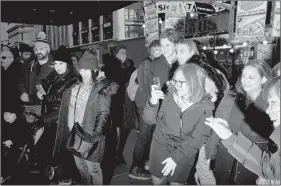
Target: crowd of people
<point>68,118</point>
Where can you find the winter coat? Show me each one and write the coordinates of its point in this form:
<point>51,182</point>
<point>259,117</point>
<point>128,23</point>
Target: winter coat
<point>124,113</point>
<point>184,131</point>
<point>10,95</point>
<point>142,95</point>
<point>32,74</point>
<point>241,115</point>
<point>260,162</point>
<point>54,86</point>
<point>96,116</point>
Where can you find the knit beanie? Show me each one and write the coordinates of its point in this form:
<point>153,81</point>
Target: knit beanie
<point>25,48</point>
<point>34,109</point>
<point>62,54</point>
<point>41,37</point>
<point>88,61</point>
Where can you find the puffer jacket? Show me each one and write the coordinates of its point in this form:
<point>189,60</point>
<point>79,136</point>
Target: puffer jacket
<point>262,163</point>
<point>54,86</point>
<point>96,121</point>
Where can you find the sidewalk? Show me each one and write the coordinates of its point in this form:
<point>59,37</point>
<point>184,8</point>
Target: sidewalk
<point>120,176</point>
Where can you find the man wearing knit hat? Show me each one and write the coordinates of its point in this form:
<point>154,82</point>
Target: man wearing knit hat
<point>26,52</point>
<point>36,70</point>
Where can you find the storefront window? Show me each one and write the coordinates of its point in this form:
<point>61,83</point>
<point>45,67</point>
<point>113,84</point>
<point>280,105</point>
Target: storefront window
<point>107,27</point>
<point>95,30</point>
<point>75,34</point>
<point>132,31</point>
<point>85,32</point>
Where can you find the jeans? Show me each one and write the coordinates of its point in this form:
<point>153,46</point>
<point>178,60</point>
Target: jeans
<point>143,142</point>
<point>91,173</point>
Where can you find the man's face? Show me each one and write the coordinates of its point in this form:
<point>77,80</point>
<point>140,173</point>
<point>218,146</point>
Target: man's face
<point>74,59</point>
<point>41,50</point>
<point>167,47</point>
<point>156,51</point>
<point>6,58</point>
<point>26,55</point>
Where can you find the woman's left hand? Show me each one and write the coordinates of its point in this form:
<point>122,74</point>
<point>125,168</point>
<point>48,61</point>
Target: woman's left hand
<point>169,167</point>
<point>220,126</point>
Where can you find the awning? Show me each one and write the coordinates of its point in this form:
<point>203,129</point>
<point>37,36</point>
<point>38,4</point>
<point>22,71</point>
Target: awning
<point>57,12</point>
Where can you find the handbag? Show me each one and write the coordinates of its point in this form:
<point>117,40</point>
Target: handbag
<point>79,142</point>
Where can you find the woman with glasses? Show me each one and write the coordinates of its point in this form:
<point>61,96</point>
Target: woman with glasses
<point>180,130</point>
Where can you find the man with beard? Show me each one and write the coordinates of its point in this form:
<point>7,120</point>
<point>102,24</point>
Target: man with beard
<point>26,53</point>
<point>36,70</point>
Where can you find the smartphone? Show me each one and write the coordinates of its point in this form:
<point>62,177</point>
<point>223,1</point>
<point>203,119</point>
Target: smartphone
<point>40,89</point>
<point>156,81</point>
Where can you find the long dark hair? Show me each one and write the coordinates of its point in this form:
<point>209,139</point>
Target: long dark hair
<point>94,76</point>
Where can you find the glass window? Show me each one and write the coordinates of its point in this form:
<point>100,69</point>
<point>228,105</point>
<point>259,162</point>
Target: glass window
<point>85,25</point>
<point>126,14</point>
<point>85,37</point>
<point>127,31</point>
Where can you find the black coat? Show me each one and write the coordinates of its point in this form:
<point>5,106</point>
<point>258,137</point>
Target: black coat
<point>242,115</point>
<point>10,95</point>
<point>54,86</point>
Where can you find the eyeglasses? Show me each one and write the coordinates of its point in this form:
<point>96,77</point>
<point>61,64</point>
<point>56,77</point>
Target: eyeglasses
<point>5,57</point>
<point>178,83</point>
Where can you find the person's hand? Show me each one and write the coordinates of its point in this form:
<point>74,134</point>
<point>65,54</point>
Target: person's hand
<point>156,95</point>
<point>40,96</point>
<point>24,97</point>
<point>10,117</point>
<point>8,143</point>
<point>220,126</point>
<point>169,167</point>
<point>118,132</point>
<point>118,137</point>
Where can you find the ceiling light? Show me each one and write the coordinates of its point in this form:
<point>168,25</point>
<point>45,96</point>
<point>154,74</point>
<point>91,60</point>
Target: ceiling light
<point>245,44</point>
<point>143,25</point>
<point>52,11</point>
<point>204,48</point>
<point>215,52</point>
<point>71,13</point>
<point>191,15</point>
<point>34,9</point>
<point>264,42</point>
<point>231,50</point>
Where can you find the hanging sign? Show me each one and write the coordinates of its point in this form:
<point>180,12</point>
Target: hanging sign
<point>150,12</point>
<point>276,20</point>
<point>217,23</point>
<point>151,25</point>
<point>250,26</point>
<point>251,7</point>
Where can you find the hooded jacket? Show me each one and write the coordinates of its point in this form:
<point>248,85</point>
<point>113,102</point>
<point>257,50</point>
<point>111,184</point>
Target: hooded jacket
<point>96,120</point>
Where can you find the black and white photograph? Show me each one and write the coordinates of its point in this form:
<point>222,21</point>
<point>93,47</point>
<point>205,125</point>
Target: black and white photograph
<point>101,92</point>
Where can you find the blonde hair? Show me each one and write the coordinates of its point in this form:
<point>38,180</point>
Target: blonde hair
<point>198,83</point>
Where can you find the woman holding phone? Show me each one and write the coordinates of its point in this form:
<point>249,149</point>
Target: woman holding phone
<point>180,130</point>
<point>56,83</point>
